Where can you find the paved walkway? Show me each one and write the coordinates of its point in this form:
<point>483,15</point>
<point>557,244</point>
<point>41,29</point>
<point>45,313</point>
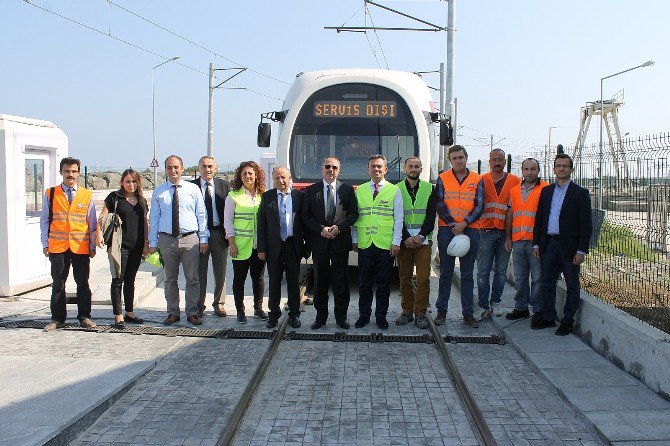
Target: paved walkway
<point>620,408</point>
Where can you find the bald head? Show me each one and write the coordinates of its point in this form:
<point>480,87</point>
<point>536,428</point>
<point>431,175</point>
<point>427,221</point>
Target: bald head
<point>282,178</point>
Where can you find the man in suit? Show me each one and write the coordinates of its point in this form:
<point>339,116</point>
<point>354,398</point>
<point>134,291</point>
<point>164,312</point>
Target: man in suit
<point>329,212</point>
<point>214,192</point>
<point>280,243</point>
<point>561,237</point>
<point>178,226</point>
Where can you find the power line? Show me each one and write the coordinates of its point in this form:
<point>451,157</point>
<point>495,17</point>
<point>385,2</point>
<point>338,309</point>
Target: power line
<point>136,46</point>
<point>377,36</point>
<point>192,42</point>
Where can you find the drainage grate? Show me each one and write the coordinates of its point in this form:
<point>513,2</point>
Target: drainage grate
<point>473,339</point>
<point>251,334</point>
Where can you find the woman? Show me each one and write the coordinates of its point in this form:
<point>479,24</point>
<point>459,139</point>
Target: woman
<point>131,206</point>
<point>239,221</point>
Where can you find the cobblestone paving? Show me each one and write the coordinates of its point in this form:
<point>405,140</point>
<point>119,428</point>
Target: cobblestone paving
<point>347,393</point>
<point>186,399</point>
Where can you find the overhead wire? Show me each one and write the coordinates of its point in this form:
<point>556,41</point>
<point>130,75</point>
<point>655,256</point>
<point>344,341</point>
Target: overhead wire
<point>377,36</point>
<point>372,48</point>
<point>138,47</point>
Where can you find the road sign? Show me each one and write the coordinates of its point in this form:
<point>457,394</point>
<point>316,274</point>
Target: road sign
<point>154,163</point>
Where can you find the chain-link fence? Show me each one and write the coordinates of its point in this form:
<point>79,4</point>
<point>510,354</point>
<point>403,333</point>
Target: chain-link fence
<point>629,261</point>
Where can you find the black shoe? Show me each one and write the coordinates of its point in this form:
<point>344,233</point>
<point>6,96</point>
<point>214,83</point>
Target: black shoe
<point>517,314</point>
<point>362,321</point>
<point>134,320</point>
<point>294,322</point>
<point>260,314</point>
<point>272,322</point>
<point>344,324</point>
<point>318,324</point>
<point>119,325</point>
<point>241,317</point>
<point>382,323</point>
<point>541,323</point>
<point>564,329</point>
<point>535,317</point>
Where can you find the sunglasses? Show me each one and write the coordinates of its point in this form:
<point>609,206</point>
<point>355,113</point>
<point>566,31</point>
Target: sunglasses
<point>331,166</point>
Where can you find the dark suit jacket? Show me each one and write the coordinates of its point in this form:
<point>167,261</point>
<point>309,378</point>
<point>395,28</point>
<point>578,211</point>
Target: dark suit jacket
<point>220,193</point>
<point>314,217</point>
<point>269,238</point>
<point>574,221</point>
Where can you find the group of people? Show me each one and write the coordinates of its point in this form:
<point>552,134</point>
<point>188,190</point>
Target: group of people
<point>546,227</point>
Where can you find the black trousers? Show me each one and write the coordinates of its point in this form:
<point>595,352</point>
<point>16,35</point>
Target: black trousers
<point>374,265</point>
<point>241,268</point>
<point>331,268</point>
<point>289,262</point>
<point>130,263</point>
<point>552,262</point>
<point>60,267</point>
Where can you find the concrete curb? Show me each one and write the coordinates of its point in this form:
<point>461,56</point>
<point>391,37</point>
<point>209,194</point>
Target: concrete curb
<point>77,425</point>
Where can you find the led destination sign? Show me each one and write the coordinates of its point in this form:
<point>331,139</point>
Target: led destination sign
<point>355,109</point>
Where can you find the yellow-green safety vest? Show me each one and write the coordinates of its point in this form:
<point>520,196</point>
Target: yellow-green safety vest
<point>415,213</point>
<point>244,222</point>
<point>375,217</point>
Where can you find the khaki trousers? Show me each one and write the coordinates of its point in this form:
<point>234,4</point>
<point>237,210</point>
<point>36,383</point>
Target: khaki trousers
<point>414,300</point>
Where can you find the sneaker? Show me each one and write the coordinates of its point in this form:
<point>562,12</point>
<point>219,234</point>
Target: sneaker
<point>564,329</point>
<point>497,311</point>
<point>470,321</point>
<point>421,322</point>
<point>486,314</point>
<point>441,317</point>
<point>260,314</point>
<point>517,314</point>
<point>53,325</point>
<point>241,317</point>
<point>404,319</point>
<point>87,323</point>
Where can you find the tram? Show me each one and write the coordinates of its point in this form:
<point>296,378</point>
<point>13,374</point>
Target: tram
<point>352,114</point>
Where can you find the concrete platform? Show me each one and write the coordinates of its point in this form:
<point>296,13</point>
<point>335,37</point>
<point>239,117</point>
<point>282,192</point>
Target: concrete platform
<point>620,408</point>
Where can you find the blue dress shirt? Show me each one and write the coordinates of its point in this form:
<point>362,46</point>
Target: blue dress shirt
<point>192,214</point>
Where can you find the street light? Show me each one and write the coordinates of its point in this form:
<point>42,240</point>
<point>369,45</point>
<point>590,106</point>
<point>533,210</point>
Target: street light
<point>154,162</point>
<point>599,201</point>
<point>547,152</point>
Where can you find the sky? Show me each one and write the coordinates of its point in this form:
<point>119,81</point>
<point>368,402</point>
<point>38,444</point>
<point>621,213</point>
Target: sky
<point>521,67</point>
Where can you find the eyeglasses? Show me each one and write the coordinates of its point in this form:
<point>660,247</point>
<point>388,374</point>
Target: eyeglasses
<point>331,166</point>
<point>564,166</point>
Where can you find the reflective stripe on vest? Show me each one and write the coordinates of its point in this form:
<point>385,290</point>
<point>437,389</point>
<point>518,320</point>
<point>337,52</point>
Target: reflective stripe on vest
<point>375,217</point>
<point>244,222</point>
<point>69,226</point>
<point>459,198</point>
<point>523,213</point>
<point>495,206</point>
<point>415,213</point>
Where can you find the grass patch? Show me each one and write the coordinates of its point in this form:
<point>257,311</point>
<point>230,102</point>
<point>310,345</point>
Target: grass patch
<point>621,241</point>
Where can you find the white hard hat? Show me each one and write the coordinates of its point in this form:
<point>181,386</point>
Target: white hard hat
<point>459,246</point>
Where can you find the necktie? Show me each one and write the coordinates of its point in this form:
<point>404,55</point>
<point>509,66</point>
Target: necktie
<point>175,211</point>
<point>283,226</point>
<point>331,205</point>
<point>69,195</point>
<point>374,195</point>
<point>208,206</point>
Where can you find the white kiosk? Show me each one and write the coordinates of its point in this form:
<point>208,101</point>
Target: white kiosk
<point>30,152</point>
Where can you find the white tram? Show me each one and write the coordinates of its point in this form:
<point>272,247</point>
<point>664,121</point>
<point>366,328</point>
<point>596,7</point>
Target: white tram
<point>353,114</point>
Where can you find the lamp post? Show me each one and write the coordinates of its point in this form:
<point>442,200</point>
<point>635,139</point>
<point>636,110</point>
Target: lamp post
<point>154,162</point>
<point>599,201</point>
<point>546,154</point>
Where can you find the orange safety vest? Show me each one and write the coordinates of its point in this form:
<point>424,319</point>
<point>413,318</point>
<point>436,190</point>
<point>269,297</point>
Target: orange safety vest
<point>523,213</point>
<point>459,198</point>
<point>69,227</point>
<point>495,206</point>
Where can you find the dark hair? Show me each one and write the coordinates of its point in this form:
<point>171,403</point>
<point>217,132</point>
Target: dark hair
<point>413,158</point>
<point>174,156</point>
<point>68,161</point>
<point>563,156</point>
<point>531,159</point>
<point>457,148</point>
<point>237,183</point>
<point>497,150</point>
<point>138,192</point>
<point>378,157</point>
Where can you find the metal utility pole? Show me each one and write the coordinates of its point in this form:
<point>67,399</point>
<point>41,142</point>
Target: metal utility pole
<point>210,113</point>
<point>154,161</point>
<point>451,7</point>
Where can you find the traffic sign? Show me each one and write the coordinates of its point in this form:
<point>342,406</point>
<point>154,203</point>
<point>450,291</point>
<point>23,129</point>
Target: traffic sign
<point>154,163</point>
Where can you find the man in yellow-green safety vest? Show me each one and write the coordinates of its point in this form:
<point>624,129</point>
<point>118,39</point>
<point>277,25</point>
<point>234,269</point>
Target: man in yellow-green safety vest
<point>419,201</point>
<point>376,236</point>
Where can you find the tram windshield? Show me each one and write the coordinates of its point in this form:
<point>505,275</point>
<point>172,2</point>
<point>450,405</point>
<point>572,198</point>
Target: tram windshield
<point>352,122</point>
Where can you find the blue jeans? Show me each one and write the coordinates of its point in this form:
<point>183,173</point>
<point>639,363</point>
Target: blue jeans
<point>525,264</point>
<point>553,262</point>
<point>491,247</point>
<point>467,263</point>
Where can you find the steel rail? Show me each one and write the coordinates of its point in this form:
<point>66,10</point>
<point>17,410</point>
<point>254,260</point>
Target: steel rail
<point>473,411</point>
